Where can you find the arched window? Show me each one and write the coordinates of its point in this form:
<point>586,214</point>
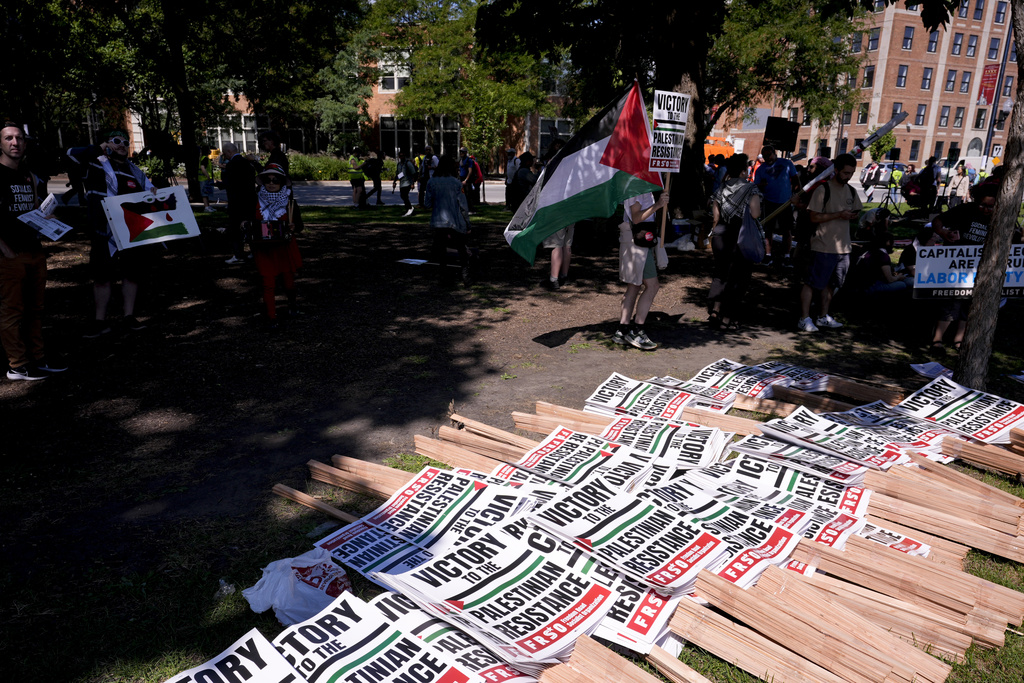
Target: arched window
<point>974,148</point>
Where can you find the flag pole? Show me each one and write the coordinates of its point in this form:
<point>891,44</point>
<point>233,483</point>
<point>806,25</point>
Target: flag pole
<point>667,177</point>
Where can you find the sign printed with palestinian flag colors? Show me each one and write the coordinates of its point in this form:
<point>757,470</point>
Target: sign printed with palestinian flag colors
<point>986,417</point>
<point>352,641</point>
<point>250,658</point>
<point>150,217</point>
<point>573,457</point>
<point>620,395</point>
<point>671,112</point>
<point>599,168</point>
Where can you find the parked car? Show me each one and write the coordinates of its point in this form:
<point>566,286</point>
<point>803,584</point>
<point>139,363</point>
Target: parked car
<point>886,173</point>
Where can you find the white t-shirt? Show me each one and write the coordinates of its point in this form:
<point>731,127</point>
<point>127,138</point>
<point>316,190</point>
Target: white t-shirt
<point>645,201</point>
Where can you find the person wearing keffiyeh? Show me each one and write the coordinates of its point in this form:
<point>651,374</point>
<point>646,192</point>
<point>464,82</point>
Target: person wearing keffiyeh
<point>277,257</point>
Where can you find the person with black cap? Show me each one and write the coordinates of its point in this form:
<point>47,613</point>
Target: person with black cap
<point>108,172</point>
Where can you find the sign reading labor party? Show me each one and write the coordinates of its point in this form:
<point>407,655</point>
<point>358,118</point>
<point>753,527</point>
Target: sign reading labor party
<point>671,112</point>
<point>149,217</point>
<point>950,272</point>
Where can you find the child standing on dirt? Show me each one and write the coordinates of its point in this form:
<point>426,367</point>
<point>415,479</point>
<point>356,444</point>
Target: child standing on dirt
<point>273,242</point>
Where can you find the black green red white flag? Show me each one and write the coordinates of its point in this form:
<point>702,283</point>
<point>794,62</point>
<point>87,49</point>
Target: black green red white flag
<point>599,168</point>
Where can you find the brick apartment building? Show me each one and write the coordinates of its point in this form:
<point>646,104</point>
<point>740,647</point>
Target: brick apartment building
<point>955,83</point>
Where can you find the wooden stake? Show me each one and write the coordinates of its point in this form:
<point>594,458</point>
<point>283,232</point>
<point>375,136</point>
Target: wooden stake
<point>493,433</point>
<point>347,480</point>
<point>484,446</point>
<point>311,502</point>
<point>743,647</point>
<point>453,455</point>
<point>985,455</point>
<point>816,403</point>
<point>592,662</point>
<point>672,669</point>
<point>965,482</point>
<point>860,391</point>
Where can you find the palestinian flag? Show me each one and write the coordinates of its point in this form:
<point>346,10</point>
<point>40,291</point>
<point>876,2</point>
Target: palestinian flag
<point>599,168</point>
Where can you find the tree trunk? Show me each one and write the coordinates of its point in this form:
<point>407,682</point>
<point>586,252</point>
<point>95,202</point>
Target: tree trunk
<point>972,370</point>
<point>175,29</point>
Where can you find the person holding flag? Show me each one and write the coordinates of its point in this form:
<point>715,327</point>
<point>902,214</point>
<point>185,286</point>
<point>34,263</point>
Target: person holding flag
<point>638,270</point>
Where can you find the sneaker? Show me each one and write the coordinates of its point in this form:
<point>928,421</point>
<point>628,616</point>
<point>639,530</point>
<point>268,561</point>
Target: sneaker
<point>640,340</point>
<point>553,285</point>
<point>25,372</point>
<point>828,321</point>
<point>97,328</point>
<point>562,279</point>
<point>133,323</point>
<point>210,209</point>
<point>51,365</point>
<point>619,338</point>
<point>787,262</point>
<point>233,260</point>
<point>222,230</point>
<point>407,213</point>
<point>805,325</point>
<point>767,261</point>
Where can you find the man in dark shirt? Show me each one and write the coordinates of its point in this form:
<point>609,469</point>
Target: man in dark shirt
<point>238,180</point>
<point>22,265</point>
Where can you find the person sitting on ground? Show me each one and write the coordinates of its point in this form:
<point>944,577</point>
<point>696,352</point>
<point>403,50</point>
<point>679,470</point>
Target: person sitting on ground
<point>276,253</point>
<point>871,221</point>
<point>926,237</point>
<point>873,274</point>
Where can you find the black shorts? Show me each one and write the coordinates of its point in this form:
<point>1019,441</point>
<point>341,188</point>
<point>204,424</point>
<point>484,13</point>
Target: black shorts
<point>129,264</point>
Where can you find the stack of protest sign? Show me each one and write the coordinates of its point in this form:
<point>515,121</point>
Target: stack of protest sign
<point>609,522</point>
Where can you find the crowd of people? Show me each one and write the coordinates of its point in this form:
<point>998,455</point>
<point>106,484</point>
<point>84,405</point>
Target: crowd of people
<point>806,233</point>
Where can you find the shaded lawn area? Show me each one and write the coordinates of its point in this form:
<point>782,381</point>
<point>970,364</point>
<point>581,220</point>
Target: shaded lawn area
<point>141,478</point>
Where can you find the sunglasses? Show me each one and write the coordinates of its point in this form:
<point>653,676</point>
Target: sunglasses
<point>118,141</point>
<point>270,180</point>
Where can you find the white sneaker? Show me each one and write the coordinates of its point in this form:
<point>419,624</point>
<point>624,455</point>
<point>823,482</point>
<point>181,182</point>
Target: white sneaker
<point>805,325</point>
<point>828,321</point>
<point>407,213</point>
<point>233,260</point>
<point>210,209</point>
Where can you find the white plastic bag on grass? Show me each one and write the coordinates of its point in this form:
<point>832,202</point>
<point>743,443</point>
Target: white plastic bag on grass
<point>298,587</point>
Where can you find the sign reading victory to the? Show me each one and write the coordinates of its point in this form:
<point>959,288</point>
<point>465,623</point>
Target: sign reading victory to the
<point>149,217</point>
<point>671,112</point>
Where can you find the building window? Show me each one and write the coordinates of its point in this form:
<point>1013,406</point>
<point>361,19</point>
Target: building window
<point>979,9</point>
<point>794,114</point>
<point>869,77</point>
<point>958,119</point>
<point>974,147</point>
<point>915,150</point>
<point>972,46</point>
<point>897,107</point>
<point>412,134</point>
<point>926,78</point>
<point>873,39</point>
<point>846,117</point>
<point>911,7</point>
<point>1000,12</point>
<point>965,82</point>
<point>1001,120</point>
<point>1008,86</point>
<point>842,146</point>
<point>922,109</point>
<point>944,117</point>
<point>951,80</point>
<point>979,118</point>
<point>940,146</point>
<point>958,43</point>
<point>803,147</point>
<point>879,6</point>
<point>908,37</point>
<point>1013,51</point>
<point>933,41</point>
<point>393,78</point>
<point>901,76</point>
<point>856,41</point>
<point>993,49</point>
<point>862,113</point>
<point>563,126</point>
<point>962,11</point>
